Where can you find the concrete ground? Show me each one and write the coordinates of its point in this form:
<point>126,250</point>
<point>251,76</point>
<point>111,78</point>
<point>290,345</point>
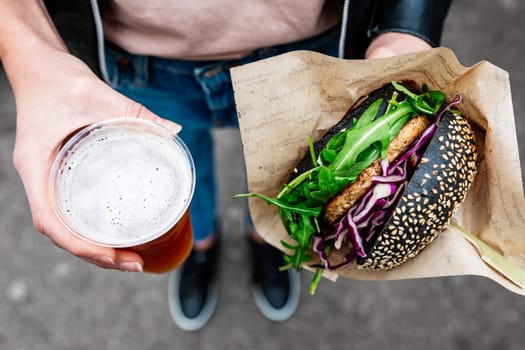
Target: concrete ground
<point>52,301</point>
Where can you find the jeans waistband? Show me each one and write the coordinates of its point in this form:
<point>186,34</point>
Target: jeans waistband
<point>189,67</point>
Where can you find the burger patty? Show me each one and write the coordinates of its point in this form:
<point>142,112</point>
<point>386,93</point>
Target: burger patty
<point>339,205</point>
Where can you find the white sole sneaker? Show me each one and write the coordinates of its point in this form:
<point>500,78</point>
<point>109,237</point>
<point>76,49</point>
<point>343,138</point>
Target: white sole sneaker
<point>181,320</point>
<point>284,313</point>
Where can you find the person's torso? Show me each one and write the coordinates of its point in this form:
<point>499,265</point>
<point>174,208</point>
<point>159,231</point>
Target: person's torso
<point>201,30</point>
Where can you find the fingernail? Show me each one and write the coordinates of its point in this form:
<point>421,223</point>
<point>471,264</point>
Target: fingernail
<point>177,129</point>
<point>103,260</point>
<point>130,267</point>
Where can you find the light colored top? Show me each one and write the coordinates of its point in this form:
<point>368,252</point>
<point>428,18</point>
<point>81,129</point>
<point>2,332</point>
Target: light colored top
<point>200,30</point>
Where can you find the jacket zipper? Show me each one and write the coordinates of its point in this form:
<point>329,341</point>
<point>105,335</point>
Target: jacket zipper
<point>100,40</point>
<point>344,27</point>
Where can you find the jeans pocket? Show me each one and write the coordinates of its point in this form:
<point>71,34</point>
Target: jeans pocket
<point>126,71</point>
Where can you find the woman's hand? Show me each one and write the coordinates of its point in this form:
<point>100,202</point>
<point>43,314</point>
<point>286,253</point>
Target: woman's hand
<point>57,94</point>
<point>393,44</point>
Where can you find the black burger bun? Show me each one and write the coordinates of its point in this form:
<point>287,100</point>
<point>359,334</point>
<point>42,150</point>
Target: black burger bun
<point>436,190</point>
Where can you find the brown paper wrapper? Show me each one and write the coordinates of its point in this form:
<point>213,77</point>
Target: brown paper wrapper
<point>284,99</point>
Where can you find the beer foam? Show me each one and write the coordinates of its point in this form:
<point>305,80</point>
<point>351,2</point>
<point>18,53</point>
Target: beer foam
<point>122,187</point>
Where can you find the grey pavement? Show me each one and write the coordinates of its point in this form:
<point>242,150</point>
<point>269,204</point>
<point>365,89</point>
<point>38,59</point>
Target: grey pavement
<point>50,300</point>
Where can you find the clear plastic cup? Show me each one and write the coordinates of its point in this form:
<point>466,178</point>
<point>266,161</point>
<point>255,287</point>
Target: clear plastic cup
<point>127,183</point>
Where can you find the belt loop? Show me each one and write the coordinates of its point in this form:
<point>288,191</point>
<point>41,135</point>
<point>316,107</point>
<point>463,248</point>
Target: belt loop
<point>267,52</point>
<point>141,65</point>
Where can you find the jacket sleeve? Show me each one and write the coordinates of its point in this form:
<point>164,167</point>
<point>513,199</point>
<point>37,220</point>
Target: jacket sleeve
<point>74,20</point>
<point>422,18</point>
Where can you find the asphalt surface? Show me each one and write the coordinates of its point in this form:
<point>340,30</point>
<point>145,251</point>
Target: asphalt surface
<point>50,300</point>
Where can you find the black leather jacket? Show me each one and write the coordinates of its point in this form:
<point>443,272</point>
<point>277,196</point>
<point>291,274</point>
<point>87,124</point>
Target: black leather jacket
<point>78,22</point>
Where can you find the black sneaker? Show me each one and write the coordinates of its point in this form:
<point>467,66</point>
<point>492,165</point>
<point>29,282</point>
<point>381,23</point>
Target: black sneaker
<point>276,293</point>
<point>192,289</point>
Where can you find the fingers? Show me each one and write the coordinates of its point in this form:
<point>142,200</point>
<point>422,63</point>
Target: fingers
<point>137,110</point>
<point>104,257</point>
<point>125,262</point>
<point>393,43</point>
<point>45,220</point>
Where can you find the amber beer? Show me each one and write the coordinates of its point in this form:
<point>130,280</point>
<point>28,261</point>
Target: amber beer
<point>127,183</point>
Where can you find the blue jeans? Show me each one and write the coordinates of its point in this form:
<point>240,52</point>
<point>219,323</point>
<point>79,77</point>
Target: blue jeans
<point>199,96</point>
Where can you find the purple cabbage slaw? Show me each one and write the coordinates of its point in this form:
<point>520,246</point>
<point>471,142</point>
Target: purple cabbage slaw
<point>364,220</point>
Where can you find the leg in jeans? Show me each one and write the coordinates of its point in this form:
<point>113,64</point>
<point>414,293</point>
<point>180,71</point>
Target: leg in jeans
<point>169,89</point>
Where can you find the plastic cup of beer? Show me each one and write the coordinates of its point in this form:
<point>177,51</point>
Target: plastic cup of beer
<point>127,183</point>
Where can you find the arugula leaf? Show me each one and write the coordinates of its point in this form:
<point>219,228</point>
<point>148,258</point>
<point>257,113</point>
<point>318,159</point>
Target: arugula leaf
<point>336,143</point>
<point>312,151</point>
<point>327,182</point>
<point>429,102</point>
<point>315,281</point>
<point>368,115</point>
<point>303,234</point>
<point>358,140</point>
<point>297,208</point>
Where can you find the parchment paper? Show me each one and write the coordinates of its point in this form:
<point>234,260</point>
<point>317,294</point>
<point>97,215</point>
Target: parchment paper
<point>282,100</point>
